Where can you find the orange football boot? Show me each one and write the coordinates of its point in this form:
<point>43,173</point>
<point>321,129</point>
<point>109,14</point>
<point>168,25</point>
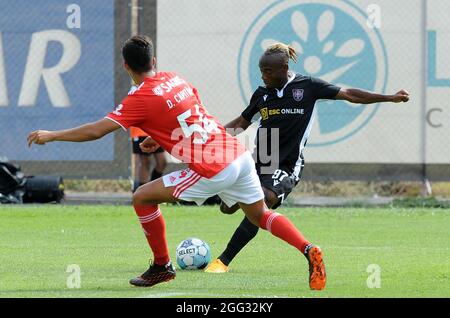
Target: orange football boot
<point>317,274</point>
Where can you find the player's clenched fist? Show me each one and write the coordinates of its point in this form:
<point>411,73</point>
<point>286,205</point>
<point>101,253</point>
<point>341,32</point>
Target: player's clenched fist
<point>401,96</point>
<point>149,145</point>
<point>39,137</point>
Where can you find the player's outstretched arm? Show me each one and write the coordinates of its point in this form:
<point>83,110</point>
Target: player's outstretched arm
<point>359,96</point>
<point>87,132</point>
<point>237,125</point>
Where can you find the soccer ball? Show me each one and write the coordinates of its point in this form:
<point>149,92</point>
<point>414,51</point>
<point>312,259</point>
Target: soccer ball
<point>193,253</point>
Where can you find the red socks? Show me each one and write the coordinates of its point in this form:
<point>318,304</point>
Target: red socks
<point>154,228</point>
<point>281,227</point>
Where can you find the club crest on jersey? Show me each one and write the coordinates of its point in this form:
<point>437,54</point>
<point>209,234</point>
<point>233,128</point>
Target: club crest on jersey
<point>158,90</point>
<point>297,94</point>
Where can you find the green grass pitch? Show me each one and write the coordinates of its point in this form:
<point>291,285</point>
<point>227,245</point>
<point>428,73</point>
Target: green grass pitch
<point>38,243</point>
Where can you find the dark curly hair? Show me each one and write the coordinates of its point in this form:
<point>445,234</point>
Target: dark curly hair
<point>137,52</point>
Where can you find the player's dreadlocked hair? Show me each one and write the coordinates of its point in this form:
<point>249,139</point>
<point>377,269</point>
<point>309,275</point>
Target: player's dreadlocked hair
<point>281,48</point>
<point>137,52</point>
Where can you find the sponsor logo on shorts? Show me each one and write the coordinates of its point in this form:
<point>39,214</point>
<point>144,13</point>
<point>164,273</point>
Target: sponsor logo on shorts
<point>183,174</point>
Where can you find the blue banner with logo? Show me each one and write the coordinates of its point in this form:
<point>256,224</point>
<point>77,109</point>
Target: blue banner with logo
<point>56,72</point>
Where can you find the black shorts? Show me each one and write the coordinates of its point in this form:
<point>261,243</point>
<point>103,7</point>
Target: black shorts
<point>280,182</point>
<point>137,150</point>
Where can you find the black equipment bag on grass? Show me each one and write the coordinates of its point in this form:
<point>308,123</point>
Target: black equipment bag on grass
<point>12,182</point>
<point>17,188</point>
<point>44,189</point>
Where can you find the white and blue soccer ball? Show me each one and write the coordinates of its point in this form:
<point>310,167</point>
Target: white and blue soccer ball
<point>193,253</point>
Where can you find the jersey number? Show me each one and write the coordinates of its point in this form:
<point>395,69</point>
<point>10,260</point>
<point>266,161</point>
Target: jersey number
<point>202,125</point>
<point>279,175</point>
<point>117,110</point>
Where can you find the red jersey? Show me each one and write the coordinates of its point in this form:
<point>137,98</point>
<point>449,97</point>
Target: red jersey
<point>168,108</point>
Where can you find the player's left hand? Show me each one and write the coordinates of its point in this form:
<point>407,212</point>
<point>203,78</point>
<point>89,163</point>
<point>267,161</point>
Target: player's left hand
<point>149,145</point>
<point>40,137</point>
<point>401,96</point>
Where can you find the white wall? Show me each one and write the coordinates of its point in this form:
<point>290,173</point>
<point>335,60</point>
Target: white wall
<point>205,41</point>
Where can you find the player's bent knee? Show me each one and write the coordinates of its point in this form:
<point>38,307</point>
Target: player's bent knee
<point>255,220</point>
<point>270,198</point>
<point>254,212</point>
<point>137,198</point>
<point>224,208</point>
<point>228,210</point>
<point>141,198</point>
<point>271,201</point>
<point>153,192</point>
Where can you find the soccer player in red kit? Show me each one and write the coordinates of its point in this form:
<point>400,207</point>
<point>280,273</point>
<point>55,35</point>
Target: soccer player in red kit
<point>168,108</point>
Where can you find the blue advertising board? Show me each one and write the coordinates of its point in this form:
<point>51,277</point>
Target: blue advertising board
<point>56,72</point>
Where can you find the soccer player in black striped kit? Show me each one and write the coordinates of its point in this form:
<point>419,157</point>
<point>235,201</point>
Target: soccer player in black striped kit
<point>286,106</point>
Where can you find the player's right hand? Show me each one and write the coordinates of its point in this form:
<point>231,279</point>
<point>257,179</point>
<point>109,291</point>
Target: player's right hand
<point>149,145</point>
<point>40,137</point>
<point>401,96</point>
